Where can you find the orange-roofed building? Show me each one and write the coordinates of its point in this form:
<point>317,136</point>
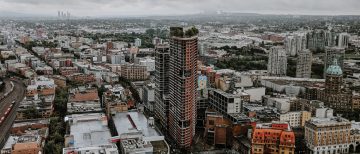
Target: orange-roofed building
<point>87,95</point>
<point>273,139</point>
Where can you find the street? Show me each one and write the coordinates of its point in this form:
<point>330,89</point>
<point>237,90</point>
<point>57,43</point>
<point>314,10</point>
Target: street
<point>16,95</point>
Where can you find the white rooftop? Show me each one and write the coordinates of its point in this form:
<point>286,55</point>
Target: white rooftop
<point>123,124</point>
<point>89,130</point>
<point>329,121</point>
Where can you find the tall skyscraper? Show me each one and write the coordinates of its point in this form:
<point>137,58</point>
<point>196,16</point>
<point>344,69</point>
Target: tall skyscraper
<point>183,85</point>
<point>330,54</point>
<point>277,63</point>
<point>162,62</point>
<point>303,65</point>
<point>343,40</point>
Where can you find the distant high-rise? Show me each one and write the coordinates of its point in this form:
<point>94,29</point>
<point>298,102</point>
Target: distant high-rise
<point>137,42</point>
<point>277,63</point>
<point>330,38</point>
<point>162,62</point>
<point>290,45</point>
<point>303,65</point>
<point>300,41</point>
<point>156,41</point>
<point>295,43</point>
<point>183,85</point>
<point>343,40</point>
<point>330,54</point>
<point>109,46</point>
<point>316,40</point>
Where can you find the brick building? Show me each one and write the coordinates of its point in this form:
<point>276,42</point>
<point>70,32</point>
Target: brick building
<point>182,85</point>
<point>273,138</point>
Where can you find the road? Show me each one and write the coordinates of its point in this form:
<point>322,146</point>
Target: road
<point>16,95</point>
<point>7,88</point>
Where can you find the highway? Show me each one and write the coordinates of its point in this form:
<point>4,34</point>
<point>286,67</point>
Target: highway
<point>16,95</point>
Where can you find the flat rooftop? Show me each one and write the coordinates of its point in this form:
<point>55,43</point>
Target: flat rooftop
<point>89,130</point>
<point>101,149</point>
<point>31,122</point>
<point>329,121</point>
<point>123,123</point>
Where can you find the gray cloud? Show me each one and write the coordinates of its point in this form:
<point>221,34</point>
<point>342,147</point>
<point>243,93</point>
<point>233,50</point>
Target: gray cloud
<point>169,7</point>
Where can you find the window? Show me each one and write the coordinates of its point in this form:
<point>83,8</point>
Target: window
<point>211,122</point>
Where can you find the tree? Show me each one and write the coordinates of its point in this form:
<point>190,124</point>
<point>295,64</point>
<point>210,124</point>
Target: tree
<point>31,113</point>
<point>191,32</point>
<point>150,32</point>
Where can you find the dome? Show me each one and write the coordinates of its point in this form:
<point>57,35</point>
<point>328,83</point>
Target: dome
<point>334,69</point>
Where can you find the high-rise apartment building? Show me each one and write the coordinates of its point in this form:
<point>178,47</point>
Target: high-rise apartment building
<point>330,38</point>
<point>183,85</point>
<point>290,45</point>
<point>303,65</point>
<point>300,41</point>
<point>343,40</point>
<point>330,54</point>
<point>277,63</point>
<point>316,40</point>
<point>295,43</point>
<point>162,62</point>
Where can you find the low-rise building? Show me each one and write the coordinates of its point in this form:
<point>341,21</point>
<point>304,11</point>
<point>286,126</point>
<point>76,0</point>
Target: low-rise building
<point>137,134</point>
<point>295,118</point>
<point>65,71</point>
<point>273,138</point>
<point>88,132</point>
<point>134,72</point>
<point>81,78</point>
<point>82,99</point>
<point>327,134</point>
<point>281,102</point>
<point>149,63</point>
<point>111,77</point>
<point>27,137</point>
<point>225,103</point>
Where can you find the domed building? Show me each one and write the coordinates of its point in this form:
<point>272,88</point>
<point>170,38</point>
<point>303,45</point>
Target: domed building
<point>333,96</point>
<point>334,78</point>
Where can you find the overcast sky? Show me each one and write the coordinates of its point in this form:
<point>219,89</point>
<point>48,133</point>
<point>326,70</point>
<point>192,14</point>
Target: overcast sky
<point>177,7</point>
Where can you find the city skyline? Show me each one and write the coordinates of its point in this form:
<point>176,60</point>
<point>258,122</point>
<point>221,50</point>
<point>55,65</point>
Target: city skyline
<point>112,8</point>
